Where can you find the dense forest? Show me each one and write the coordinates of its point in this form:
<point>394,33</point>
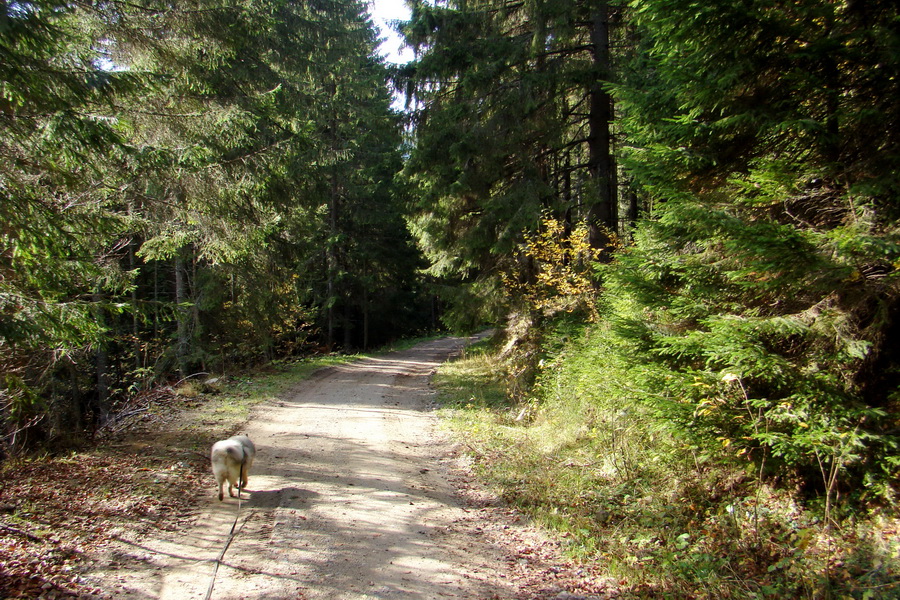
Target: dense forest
<point>188,188</point>
<point>709,189</point>
<point>684,215</point>
<point>716,182</point>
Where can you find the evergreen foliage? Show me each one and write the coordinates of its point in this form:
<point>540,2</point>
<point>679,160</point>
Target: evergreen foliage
<point>187,187</point>
<point>511,122</point>
<point>648,511</point>
<point>757,302</point>
<point>762,296</point>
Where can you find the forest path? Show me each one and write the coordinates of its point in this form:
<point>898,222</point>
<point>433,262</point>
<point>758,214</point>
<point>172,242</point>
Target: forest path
<point>350,498</point>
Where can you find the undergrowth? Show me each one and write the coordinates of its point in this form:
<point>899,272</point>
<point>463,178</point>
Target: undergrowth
<point>583,456</point>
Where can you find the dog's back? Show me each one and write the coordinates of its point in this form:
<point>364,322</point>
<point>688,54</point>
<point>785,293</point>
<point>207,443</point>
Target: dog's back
<point>231,460</point>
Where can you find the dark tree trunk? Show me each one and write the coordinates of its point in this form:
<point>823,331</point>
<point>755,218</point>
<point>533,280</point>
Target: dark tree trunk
<point>101,363</point>
<point>602,212</point>
<point>183,343</point>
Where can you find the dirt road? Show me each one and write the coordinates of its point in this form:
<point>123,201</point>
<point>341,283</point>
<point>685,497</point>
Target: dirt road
<point>350,498</point>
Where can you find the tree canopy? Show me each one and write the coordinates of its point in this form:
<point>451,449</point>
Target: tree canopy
<point>752,145</point>
<point>186,187</point>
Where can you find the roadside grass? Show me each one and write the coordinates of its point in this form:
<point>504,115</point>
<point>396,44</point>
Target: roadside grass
<point>228,404</point>
<point>584,458</point>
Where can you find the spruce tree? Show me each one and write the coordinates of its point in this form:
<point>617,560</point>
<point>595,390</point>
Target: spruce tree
<point>764,135</point>
<point>174,161</point>
<point>58,272</point>
<point>512,122</point>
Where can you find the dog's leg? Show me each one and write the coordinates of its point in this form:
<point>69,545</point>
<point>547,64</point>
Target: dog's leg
<point>244,475</point>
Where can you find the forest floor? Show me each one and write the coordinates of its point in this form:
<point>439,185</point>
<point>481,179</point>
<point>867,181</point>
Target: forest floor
<point>356,493</point>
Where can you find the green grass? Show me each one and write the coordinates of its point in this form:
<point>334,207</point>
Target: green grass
<point>583,457</point>
<point>232,402</point>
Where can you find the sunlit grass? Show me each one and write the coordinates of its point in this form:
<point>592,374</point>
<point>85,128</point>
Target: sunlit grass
<point>583,457</point>
<point>231,402</point>
<point>228,404</point>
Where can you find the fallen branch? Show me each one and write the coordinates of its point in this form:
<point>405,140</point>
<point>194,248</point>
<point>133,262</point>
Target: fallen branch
<point>188,377</point>
<point>120,423</point>
<point>121,416</point>
<point>17,531</point>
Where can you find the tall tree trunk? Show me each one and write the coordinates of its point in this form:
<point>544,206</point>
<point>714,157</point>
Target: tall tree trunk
<point>183,343</point>
<point>101,362</point>
<point>365,308</point>
<point>331,260</point>
<point>602,212</point>
<point>135,317</point>
<point>155,300</point>
<point>134,245</point>
<point>196,331</point>
<point>347,323</point>
<point>634,208</point>
<point>79,406</point>
<point>634,203</point>
<point>331,265</point>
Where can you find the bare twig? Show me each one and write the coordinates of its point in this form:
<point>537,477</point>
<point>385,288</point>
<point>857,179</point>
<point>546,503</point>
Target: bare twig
<point>188,377</point>
<point>22,532</point>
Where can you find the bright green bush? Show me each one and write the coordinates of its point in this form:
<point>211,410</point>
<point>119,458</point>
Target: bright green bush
<point>762,294</point>
<point>771,372</point>
<point>660,511</point>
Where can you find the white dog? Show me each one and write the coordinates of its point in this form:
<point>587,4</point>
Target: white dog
<point>231,460</point>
